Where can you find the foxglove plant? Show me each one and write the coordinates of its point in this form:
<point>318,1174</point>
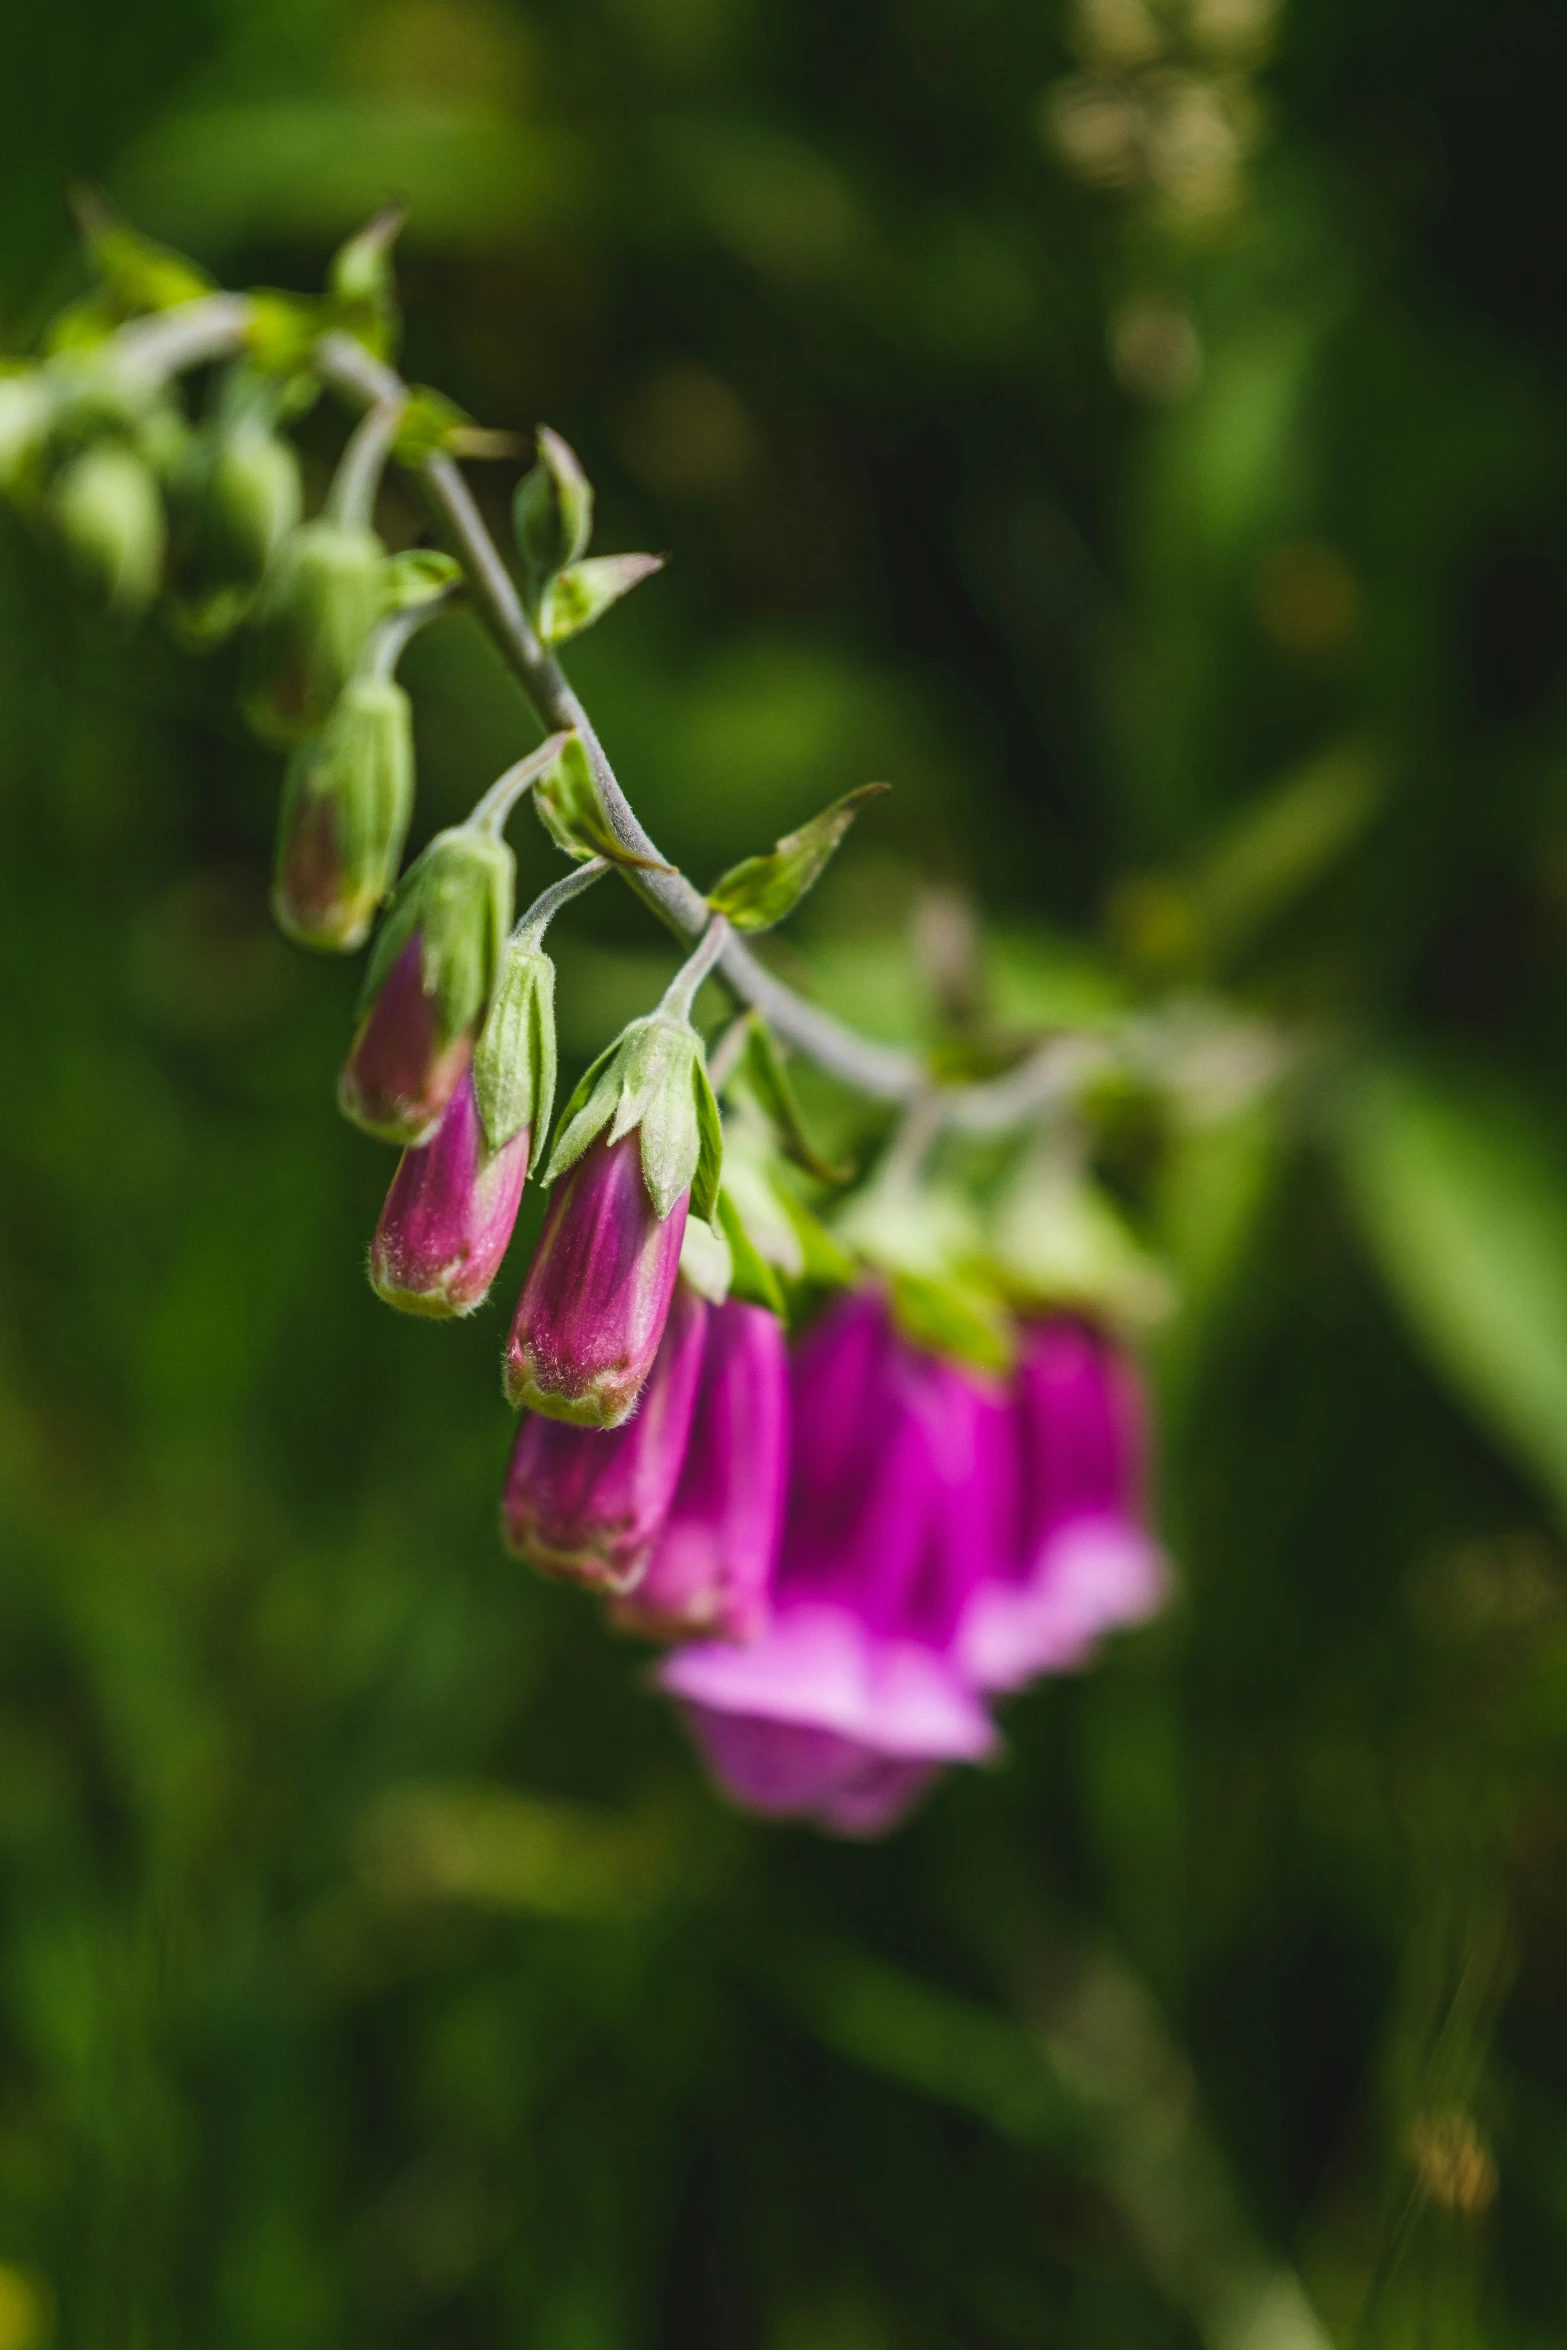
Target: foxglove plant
<point>940,1494</point>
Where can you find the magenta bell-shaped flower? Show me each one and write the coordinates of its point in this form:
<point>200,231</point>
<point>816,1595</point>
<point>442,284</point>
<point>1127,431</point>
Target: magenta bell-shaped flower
<point>852,1701</point>
<point>449,1214</point>
<point>1081,1560</point>
<point>399,1075</point>
<point>587,1504</point>
<point>594,1303</point>
<point>712,1568</point>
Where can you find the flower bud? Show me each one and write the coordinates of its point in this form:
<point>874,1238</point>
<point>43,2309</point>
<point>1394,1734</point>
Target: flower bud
<point>347,799</point>
<point>587,1503</point>
<point>712,1569</point>
<point>110,514</point>
<point>429,982</point>
<point>449,1214</point>
<point>598,1291</point>
<point>552,510</point>
<point>314,609</point>
<point>241,499</point>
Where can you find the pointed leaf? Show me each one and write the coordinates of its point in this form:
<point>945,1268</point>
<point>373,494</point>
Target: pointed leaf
<point>768,1080</point>
<point>751,1277</point>
<point>570,806</point>
<point>1462,1197</point>
<point>760,891</point>
<point>710,1134</point>
<point>137,274</point>
<point>362,284</point>
<point>583,593</point>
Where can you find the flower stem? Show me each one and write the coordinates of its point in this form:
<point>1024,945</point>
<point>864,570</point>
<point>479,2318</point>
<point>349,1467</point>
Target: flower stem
<point>390,640</point>
<point>492,812</point>
<point>351,498</point>
<point>532,925</point>
<point>680,994</point>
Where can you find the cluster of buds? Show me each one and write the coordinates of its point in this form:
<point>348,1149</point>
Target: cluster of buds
<point>862,1481</point>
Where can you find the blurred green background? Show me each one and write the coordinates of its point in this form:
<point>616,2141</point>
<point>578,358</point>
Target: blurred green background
<point>1150,458</point>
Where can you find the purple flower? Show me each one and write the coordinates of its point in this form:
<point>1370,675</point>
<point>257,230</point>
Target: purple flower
<point>587,1504</point>
<point>852,1701</point>
<point>400,1075</point>
<point>594,1303</point>
<point>713,1565</point>
<point>449,1214</point>
<point>1081,1560</point>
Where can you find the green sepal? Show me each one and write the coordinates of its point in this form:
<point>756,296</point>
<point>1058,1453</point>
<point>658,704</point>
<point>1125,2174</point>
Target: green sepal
<point>136,274</point>
<point>457,894</point>
<point>950,1316</point>
<point>552,510</point>
<point>362,286</point>
<point>652,1079</point>
<point>417,576</point>
<point>762,1068</point>
<point>761,891</point>
<point>362,762</point>
<point>316,605</point>
<point>751,1277</point>
<point>514,1059</point>
<point>584,592</point>
<point>570,806</point>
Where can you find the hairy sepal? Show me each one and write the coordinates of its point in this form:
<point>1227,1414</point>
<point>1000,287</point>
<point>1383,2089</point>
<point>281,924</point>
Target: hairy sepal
<point>653,1080</point>
<point>458,895</point>
<point>514,1060</point>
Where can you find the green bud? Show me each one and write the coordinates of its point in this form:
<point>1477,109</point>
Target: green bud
<point>110,515</point>
<point>316,605</point>
<point>514,1059</point>
<point>347,799</point>
<point>242,495</point>
<point>552,510</point>
<point>456,898</point>
<point>26,413</point>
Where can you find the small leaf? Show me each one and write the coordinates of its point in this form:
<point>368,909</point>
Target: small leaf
<point>751,1277</point>
<point>362,284</point>
<point>578,596</point>
<point>552,509</point>
<point>570,807</point>
<point>760,891</point>
<point>710,1130</point>
<point>417,576</point>
<point>1463,1199</point>
<point>768,1079</point>
<point>138,275</point>
<point>284,330</point>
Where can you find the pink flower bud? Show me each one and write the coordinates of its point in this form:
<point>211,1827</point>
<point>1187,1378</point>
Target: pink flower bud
<point>712,1568</point>
<point>449,1215</point>
<point>587,1504</point>
<point>1082,1559</point>
<point>598,1291</point>
<point>399,1076</point>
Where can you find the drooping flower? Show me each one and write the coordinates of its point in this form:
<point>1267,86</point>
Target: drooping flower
<point>430,980</point>
<point>449,1214</point>
<point>712,1567</point>
<point>1082,1559</point>
<point>586,1504</point>
<point>852,1700</point>
<point>594,1302</point>
<point>639,1148</point>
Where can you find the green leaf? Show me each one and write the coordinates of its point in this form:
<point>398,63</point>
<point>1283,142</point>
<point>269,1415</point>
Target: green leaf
<point>760,891</point>
<point>763,1069</point>
<point>751,1277</point>
<point>1284,843</point>
<point>710,1131</point>
<point>552,509</point>
<point>138,275</point>
<point>570,806</point>
<point>1462,1198</point>
<point>417,576</point>
<point>362,285</point>
<point>583,593</point>
<point>284,330</point>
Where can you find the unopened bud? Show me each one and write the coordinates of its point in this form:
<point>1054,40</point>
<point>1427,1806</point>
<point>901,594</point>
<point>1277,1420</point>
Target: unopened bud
<point>252,501</point>
<point>428,986</point>
<point>552,510</point>
<point>449,1214</point>
<point>347,799</point>
<point>110,514</point>
<point>314,609</point>
<point>587,1504</point>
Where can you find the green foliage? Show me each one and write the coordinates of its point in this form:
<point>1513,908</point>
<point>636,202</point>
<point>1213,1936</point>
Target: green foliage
<point>761,892</point>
